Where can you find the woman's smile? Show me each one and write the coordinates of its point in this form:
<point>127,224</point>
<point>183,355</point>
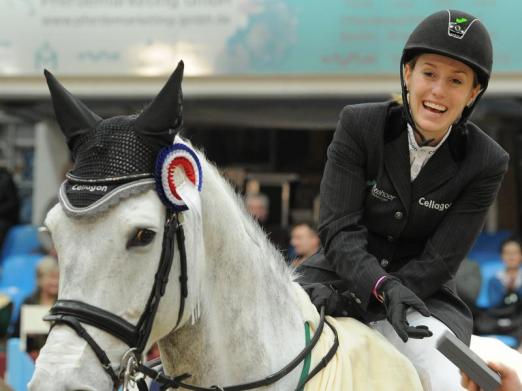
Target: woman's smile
<point>439,89</point>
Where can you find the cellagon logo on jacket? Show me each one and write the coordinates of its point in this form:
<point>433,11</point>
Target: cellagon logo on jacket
<point>440,206</point>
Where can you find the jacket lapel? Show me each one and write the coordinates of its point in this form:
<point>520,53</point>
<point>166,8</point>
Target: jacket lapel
<point>439,169</point>
<point>397,164</point>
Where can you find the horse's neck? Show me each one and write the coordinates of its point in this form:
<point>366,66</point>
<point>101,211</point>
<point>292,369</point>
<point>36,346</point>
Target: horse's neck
<point>250,326</point>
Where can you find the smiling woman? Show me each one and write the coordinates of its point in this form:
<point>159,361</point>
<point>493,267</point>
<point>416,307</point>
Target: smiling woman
<point>404,194</point>
<point>439,89</point>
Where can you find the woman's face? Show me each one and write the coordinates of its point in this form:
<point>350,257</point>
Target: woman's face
<point>512,255</point>
<point>49,283</point>
<point>439,89</point>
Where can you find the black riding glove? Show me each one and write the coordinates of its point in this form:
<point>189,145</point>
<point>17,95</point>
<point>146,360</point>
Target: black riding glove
<point>397,300</point>
<point>323,295</point>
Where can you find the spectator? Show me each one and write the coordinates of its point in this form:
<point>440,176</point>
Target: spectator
<point>46,292</point>
<point>509,379</point>
<point>258,205</point>
<point>305,241</point>
<point>9,204</point>
<point>505,287</point>
<point>505,295</point>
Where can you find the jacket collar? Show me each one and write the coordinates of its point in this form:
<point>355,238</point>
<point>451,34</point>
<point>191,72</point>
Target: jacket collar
<point>396,125</point>
<point>439,169</point>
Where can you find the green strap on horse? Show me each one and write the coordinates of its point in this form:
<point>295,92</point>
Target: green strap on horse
<point>307,361</point>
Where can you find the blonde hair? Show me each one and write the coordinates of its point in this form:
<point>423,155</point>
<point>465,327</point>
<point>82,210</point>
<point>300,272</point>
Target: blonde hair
<point>397,98</point>
<point>47,265</point>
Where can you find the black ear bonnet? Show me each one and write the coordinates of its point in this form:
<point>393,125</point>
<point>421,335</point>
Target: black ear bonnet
<point>114,157</point>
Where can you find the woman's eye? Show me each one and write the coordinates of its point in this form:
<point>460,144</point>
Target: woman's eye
<point>457,81</point>
<point>428,74</point>
<point>141,237</point>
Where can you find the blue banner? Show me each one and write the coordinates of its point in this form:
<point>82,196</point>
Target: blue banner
<point>231,37</point>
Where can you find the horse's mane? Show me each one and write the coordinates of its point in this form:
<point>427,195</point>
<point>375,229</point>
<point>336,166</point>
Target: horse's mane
<point>229,208</point>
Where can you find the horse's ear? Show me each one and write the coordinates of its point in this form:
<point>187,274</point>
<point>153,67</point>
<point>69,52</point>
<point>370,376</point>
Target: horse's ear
<point>73,116</point>
<point>164,114</point>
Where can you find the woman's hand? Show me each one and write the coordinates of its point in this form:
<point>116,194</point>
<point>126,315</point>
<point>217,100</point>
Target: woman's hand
<point>397,299</point>
<point>509,379</point>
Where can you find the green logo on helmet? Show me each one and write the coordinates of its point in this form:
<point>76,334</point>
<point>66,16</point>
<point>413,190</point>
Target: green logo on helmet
<point>459,27</point>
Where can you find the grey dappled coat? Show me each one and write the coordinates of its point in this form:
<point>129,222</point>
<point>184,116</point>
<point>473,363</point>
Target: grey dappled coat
<point>375,221</point>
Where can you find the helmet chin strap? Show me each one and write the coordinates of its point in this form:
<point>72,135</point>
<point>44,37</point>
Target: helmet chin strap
<point>407,112</point>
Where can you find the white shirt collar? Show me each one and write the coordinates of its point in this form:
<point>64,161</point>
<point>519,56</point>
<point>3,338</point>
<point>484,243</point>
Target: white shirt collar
<point>427,148</point>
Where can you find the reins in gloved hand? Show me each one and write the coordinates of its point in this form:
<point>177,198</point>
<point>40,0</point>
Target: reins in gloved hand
<point>327,296</point>
<point>397,299</point>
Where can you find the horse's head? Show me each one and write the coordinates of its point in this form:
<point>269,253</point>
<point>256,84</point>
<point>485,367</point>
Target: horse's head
<point>117,243</point>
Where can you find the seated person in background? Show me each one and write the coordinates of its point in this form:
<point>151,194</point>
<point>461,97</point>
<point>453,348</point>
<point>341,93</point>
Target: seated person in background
<point>505,292</point>
<point>305,241</point>
<point>507,284</point>
<point>258,205</point>
<point>47,274</point>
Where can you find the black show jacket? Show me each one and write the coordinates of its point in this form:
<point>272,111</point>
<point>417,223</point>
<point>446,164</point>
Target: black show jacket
<point>374,221</point>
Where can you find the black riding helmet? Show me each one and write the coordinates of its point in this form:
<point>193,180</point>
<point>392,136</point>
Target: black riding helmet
<point>454,34</point>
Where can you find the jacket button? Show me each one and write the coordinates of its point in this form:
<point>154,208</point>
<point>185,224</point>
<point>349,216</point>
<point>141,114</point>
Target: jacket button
<point>356,299</point>
<point>385,262</point>
<point>390,238</point>
<point>398,215</point>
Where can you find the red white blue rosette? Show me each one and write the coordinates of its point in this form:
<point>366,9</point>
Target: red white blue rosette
<point>177,155</point>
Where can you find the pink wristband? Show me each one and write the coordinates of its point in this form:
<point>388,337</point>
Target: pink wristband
<point>376,286</point>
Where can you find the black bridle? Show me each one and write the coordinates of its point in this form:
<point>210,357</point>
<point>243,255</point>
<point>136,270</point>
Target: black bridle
<point>73,313</point>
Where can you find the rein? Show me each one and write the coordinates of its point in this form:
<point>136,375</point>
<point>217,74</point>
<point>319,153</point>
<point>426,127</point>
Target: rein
<point>73,313</point>
<point>177,381</point>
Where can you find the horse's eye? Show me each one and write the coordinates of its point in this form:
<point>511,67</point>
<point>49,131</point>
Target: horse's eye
<point>141,237</point>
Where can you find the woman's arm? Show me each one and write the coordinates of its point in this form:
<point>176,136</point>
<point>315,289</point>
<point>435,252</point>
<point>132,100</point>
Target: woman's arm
<point>343,191</point>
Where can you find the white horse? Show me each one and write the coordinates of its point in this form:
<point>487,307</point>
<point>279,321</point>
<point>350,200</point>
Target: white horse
<point>250,326</point>
<point>244,315</point>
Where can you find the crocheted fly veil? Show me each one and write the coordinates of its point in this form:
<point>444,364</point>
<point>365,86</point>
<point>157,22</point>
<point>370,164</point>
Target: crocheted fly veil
<point>113,157</point>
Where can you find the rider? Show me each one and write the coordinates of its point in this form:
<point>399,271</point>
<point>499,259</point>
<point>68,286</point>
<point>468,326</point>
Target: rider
<point>405,193</point>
